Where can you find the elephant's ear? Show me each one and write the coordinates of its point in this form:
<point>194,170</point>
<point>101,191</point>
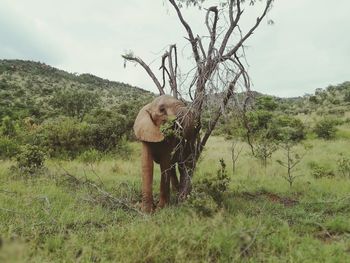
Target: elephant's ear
<point>144,127</point>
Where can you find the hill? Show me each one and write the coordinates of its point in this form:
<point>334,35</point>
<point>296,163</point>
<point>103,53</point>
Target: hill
<point>332,100</point>
<point>27,89</point>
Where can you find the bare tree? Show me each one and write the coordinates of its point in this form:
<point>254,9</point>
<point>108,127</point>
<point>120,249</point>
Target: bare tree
<point>218,57</point>
<point>292,159</point>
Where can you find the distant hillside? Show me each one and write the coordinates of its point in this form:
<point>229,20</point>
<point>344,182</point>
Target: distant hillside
<point>332,100</point>
<point>27,87</point>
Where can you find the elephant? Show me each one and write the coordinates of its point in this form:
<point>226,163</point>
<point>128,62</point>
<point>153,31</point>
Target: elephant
<point>167,150</point>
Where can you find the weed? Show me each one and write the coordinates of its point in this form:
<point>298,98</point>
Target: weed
<point>344,165</point>
<point>319,171</point>
<point>208,194</point>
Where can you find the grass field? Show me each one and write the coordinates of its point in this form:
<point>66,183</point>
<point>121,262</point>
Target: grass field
<point>53,217</point>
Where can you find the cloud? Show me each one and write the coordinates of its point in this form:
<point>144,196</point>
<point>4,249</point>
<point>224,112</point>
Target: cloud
<point>307,48</point>
<point>23,39</point>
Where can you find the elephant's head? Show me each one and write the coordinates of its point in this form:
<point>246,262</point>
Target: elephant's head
<point>153,115</point>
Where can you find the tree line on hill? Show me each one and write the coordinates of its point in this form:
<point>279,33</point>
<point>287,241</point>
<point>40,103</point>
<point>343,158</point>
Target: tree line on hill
<point>67,115</point>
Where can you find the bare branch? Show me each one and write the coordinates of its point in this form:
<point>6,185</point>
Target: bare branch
<point>199,41</point>
<point>212,125</point>
<point>148,70</point>
<point>164,69</point>
<point>189,32</point>
<point>212,29</point>
<point>173,70</point>
<point>233,24</point>
<point>250,32</point>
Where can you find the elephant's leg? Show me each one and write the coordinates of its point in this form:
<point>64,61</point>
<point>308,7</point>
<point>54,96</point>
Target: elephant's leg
<point>165,167</point>
<point>173,179</point>
<point>147,178</point>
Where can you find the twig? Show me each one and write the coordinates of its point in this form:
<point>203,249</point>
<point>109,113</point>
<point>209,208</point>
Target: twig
<point>148,70</point>
<point>103,192</point>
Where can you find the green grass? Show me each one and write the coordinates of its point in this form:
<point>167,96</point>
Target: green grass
<point>51,218</point>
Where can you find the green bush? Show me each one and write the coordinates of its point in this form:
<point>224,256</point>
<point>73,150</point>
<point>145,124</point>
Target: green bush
<point>75,102</point>
<point>347,96</point>
<point>8,127</point>
<point>285,127</point>
<point>319,171</point>
<point>65,136</point>
<point>325,129</point>
<point>208,194</point>
<point>8,147</point>
<point>68,137</point>
<point>343,164</point>
<point>106,129</point>
<point>30,159</point>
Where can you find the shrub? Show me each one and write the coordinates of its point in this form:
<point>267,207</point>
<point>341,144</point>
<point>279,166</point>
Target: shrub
<point>347,96</point>
<point>8,127</point>
<point>313,99</point>
<point>30,159</point>
<point>68,137</point>
<point>285,127</point>
<point>65,136</point>
<point>75,103</point>
<point>319,171</point>
<point>209,193</point>
<point>8,147</point>
<point>106,130</point>
<point>325,129</point>
<point>264,149</point>
<point>344,165</point>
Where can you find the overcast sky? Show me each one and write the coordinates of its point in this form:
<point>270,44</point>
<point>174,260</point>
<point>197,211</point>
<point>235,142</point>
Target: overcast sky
<point>308,47</point>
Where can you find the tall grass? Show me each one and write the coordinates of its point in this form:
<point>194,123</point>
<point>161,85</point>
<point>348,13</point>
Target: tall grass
<point>49,218</point>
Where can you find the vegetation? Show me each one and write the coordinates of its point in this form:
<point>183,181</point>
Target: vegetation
<point>60,216</point>
<point>70,186</point>
<point>65,114</point>
<point>325,129</point>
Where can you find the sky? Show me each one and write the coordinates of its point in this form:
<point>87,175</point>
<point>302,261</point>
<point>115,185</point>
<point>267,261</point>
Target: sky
<point>308,46</point>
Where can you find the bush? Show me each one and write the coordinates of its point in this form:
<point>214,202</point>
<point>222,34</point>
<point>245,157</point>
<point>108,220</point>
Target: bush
<point>8,147</point>
<point>75,103</point>
<point>325,129</point>
<point>65,136</point>
<point>30,159</point>
<point>344,166</point>
<point>285,127</point>
<point>319,171</point>
<point>68,137</point>
<point>209,193</point>
<point>106,129</point>
<point>8,127</point>
<point>347,96</point>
